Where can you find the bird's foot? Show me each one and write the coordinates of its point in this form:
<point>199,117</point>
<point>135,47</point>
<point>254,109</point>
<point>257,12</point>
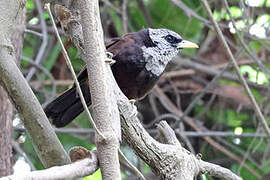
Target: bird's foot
<point>132,101</point>
<point>109,58</point>
<point>134,108</point>
<point>109,55</point>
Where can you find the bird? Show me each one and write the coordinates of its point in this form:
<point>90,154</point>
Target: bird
<point>140,60</point>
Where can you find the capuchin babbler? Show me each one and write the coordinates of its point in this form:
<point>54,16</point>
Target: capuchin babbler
<point>140,59</point>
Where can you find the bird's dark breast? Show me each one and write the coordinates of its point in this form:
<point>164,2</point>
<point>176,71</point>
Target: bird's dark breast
<point>131,75</point>
<point>129,70</point>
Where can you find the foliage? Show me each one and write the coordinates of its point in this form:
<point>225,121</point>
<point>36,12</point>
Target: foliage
<point>225,113</point>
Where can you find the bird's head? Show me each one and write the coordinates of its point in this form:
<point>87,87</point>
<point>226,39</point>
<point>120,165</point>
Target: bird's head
<point>166,45</point>
<point>170,40</point>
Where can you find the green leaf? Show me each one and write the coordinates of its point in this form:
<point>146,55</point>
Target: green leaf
<point>117,21</point>
<point>95,176</point>
<point>69,141</point>
<point>30,5</point>
<point>50,61</point>
<point>253,75</point>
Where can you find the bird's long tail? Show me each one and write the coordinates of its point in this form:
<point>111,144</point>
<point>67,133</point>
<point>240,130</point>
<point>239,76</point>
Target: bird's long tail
<point>67,106</point>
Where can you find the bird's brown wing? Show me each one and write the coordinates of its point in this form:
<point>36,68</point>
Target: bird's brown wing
<point>112,42</point>
<point>118,44</point>
<point>114,46</point>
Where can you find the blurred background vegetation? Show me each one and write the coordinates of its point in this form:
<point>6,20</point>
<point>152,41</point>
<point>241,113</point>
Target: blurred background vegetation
<point>221,109</point>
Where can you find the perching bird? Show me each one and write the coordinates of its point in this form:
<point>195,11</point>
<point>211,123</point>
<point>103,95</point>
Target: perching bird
<point>141,58</point>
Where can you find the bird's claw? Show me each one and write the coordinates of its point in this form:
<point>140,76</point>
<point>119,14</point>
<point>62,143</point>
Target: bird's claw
<point>132,101</point>
<point>109,55</point>
<point>109,59</point>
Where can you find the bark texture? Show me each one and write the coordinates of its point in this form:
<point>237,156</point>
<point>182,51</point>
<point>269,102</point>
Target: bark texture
<point>6,108</point>
<point>106,115</point>
<point>168,161</point>
<point>46,143</point>
<point>6,114</point>
<point>76,170</point>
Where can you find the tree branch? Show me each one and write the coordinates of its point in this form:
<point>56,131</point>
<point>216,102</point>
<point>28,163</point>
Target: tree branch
<point>240,76</point>
<point>6,109</point>
<point>106,114</point>
<point>44,43</point>
<point>68,62</point>
<point>77,169</point>
<point>205,167</point>
<point>169,161</point>
<point>47,146</point>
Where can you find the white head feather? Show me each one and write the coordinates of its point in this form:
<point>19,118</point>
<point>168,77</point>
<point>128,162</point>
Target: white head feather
<point>158,57</point>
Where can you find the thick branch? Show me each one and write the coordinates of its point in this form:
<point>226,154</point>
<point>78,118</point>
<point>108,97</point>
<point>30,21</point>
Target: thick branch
<point>77,169</point>
<point>6,116</point>
<point>218,171</point>
<point>6,108</point>
<point>48,147</point>
<point>106,115</point>
<point>167,161</point>
<point>205,167</point>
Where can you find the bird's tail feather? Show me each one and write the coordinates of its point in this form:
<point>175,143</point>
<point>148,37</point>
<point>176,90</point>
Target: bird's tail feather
<point>67,106</point>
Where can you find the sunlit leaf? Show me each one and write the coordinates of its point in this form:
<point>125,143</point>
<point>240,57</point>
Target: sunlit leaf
<point>33,21</point>
<point>29,4</point>
<point>95,176</point>
<point>253,75</point>
<point>238,130</point>
<point>255,2</point>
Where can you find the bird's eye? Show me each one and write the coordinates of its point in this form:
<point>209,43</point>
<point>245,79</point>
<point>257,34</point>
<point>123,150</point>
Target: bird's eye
<point>170,39</point>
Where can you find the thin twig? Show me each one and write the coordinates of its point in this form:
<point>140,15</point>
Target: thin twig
<point>146,13</point>
<point>44,70</point>
<point>153,104</point>
<point>109,4</point>
<point>214,72</point>
<point>134,169</point>
<point>167,116</point>
<point>124,16</point>
<point>206,107</point>
<point>47,6</point>
<point>185,138</point>
<point>240,76</point>
<point>19,150</point>
<point>202,93</point>
<point>191,122</point>
<point>33,32</point>
<point>242,42</point>
<point>63,82</point>
<point>237,149</point>
<point>38,29</point>
<point>152,131</point>
<point>44,43</point>
<point>190,13</point>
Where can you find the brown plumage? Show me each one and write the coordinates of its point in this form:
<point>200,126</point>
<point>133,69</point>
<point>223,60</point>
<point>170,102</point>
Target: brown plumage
<point>140,57</point>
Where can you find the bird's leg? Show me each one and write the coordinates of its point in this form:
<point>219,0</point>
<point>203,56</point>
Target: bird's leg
<point>77,93</point>
<point>109,58</point>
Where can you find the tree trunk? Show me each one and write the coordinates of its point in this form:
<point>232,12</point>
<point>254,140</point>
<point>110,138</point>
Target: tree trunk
<point>6,115</point>
<point>6,108</point>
